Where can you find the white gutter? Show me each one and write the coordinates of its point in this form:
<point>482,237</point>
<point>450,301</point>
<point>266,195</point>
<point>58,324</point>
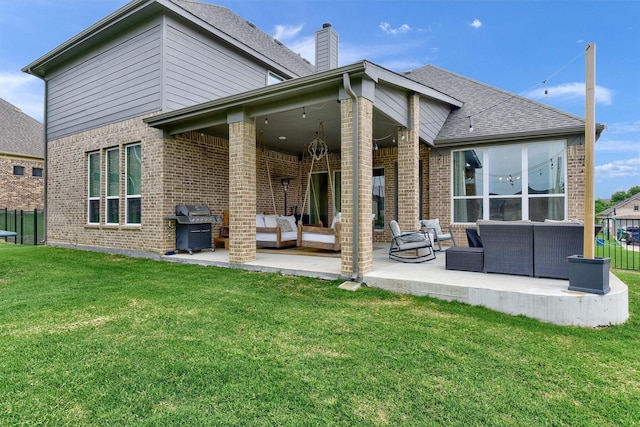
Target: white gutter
<point>356,220</point>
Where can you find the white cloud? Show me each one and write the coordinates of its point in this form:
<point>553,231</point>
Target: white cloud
<point>618,146</point>
<point>572,90</point>
<point>286,32</point>
<point>618,169</point>
<point>386,28</point>
<point>476,23</point>
<point>305,47</point>
<point>625,127</point>
<point>23,91</point>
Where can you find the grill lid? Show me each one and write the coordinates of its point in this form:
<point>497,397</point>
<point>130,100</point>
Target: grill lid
<point>195,214</point>
<point>193,210</point>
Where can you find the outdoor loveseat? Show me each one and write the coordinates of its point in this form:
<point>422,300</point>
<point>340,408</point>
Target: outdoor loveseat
<point>526,248</point>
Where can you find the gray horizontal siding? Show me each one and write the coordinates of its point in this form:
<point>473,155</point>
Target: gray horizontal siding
<point>432,117</point>
<point>119,81</point>
<point>199,69</point>
<point>393,103</point>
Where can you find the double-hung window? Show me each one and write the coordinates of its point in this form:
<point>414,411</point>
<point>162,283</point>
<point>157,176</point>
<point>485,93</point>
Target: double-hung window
<point>134,183</point>
<point>113,186</point>
<point>93,207</point>
<point>513,182</point>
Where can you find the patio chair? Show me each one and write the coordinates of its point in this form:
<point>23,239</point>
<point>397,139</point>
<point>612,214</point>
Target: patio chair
<point>411,246</point>
<point>434,228</point>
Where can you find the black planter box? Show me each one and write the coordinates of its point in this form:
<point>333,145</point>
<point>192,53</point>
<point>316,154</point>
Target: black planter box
<point>589,274</point>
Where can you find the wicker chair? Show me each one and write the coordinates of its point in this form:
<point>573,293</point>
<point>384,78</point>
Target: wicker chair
<point>508,247</point>
<point>411,246</point>
<point>552,244</point>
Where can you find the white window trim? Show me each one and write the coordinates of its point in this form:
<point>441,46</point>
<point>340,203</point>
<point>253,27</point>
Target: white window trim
<point>89,197</point>
<point>126,187</point>
<point>486,197</point>
<point>106,186</point>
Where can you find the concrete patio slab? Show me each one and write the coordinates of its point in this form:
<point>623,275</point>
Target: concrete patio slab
<point>547,300</point>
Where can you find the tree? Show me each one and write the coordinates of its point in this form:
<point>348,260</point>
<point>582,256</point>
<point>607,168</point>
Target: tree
<point>600,205</point>
<point>633,190</point>
<point>618,196</point>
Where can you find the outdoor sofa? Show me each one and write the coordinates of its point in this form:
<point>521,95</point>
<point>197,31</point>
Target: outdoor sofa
<point>526,248</point>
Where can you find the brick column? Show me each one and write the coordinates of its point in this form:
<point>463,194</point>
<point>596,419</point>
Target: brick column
<point>242,191</point>
<point>365,186</point>
<point>408,170</point>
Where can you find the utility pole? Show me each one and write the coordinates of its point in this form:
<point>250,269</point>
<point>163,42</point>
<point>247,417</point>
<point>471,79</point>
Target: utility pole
<point>589,149</point>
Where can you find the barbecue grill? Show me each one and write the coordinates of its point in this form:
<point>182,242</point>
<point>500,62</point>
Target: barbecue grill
<point>193,227</point>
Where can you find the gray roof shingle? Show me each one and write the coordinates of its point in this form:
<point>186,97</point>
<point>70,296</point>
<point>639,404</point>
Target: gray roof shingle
<point>20,134</point>
<point>248,34</point>
<point>494,112</point>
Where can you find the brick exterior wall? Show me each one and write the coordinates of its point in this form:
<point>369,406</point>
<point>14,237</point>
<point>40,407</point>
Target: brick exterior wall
<point>193,168</point>
<point>440,188</point>
<point>68,188</point>
<point>387,158</point>
<point>365,186</point>
<point>24,192</point>
<point>408,170</point>
<point>575,181</point>
<point>242,192</point>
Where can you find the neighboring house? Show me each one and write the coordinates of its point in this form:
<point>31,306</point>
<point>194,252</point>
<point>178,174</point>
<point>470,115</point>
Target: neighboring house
<point>172,101</point>
<point>626,209</point>
<point>21,160</point>
<point>622,220</point>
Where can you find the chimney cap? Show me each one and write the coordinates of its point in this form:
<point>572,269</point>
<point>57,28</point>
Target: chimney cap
<point>326,25</point>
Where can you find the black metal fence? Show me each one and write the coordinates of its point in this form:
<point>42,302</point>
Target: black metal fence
<point>29,226</point>
<point>619,240</point>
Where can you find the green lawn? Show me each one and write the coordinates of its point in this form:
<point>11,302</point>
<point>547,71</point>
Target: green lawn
<point>95,339</point>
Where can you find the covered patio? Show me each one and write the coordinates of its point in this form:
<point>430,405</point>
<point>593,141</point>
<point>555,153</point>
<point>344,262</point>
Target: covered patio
<point>547,300</point>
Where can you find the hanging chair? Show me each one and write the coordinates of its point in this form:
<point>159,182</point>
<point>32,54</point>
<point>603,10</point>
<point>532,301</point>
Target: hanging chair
<point>272,230</point>
<point>312,236</point>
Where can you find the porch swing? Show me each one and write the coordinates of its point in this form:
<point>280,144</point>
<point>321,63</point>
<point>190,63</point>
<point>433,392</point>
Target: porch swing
<point>314,236</point>
<point>272,230</point>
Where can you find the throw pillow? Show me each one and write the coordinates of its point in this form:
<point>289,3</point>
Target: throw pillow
<point>270,221</point>
<point>285,225</point>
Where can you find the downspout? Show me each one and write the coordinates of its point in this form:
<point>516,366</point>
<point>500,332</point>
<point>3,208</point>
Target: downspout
<point>356,220</point>
<point>46,150</point>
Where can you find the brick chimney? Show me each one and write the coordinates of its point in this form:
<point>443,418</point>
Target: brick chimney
<point>326,48</point>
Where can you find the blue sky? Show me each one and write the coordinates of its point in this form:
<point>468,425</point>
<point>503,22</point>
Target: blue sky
<point>512,45</point>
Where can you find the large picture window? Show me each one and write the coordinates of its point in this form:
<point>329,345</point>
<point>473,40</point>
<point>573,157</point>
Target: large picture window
<point>134,183</point>
<point>509,183</point>
<point>93,173</point>
<point>113,186</point>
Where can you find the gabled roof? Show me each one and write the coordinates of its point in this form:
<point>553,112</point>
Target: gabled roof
<point>20,134</point>
<point>218,21</point>
<point>609,211</point>
<point>247,34</point>
<point>495,114</point>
